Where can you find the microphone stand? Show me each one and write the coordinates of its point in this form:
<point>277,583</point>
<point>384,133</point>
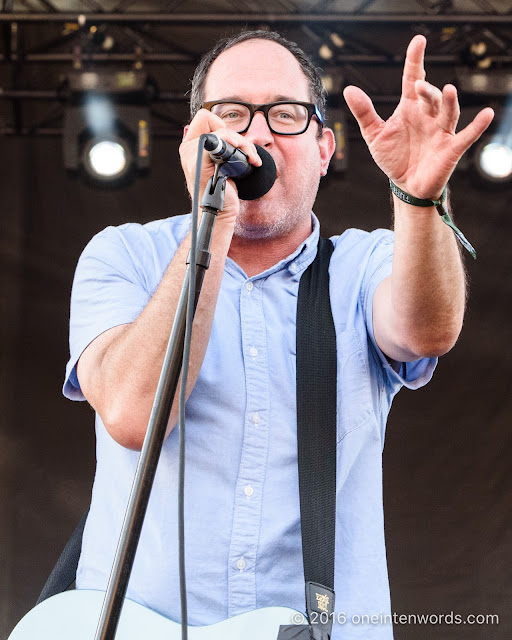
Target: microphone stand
<point>212,203</point>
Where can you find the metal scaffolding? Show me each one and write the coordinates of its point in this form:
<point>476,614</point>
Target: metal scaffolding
<point>361,47</point>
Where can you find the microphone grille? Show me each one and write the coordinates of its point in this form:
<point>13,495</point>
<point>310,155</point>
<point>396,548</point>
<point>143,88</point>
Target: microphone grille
<point>260,180</point>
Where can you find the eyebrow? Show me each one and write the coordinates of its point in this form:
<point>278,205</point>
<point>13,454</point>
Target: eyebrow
<point>273,99</point>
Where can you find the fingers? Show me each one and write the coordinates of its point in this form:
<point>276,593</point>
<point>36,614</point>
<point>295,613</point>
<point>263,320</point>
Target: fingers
<point>363,111</point>
<point>450,110</point>
<point>434,103</point>
<point>465,138</point>
<point>206,122</point>
<point>430,97</point>
<point>443,105</point>
<point>414,66</point>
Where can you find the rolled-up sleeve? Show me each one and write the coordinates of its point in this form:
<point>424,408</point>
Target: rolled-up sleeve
<point>107,292</point>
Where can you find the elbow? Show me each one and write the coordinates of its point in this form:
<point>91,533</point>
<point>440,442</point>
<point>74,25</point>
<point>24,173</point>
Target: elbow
<point>128,440</point>
<point>124,427</point>
<point>432,344</point>
<point>127,426</point>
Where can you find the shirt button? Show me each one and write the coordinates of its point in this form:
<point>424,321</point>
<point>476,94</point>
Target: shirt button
<point>293,267</point>
<point>253,351</point>
<point>241,564</point>
<point>256,418</point>
<point>248,491</point>
<point>249,286</point>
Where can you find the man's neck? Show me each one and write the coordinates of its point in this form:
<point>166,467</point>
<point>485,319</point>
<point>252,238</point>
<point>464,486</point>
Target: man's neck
<point>256,256</point>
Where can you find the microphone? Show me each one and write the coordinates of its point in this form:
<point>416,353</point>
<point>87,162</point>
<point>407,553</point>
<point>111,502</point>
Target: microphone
<point>252,182</point>
<point>238,165</point>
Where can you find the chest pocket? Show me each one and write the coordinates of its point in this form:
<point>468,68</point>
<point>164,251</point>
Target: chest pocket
<point>354,402</point>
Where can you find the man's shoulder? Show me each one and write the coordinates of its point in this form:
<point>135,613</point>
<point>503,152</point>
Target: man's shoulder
<point>133,239</point>
<point>360,259</point>
<point>175,227</point>
<point>357,243</point>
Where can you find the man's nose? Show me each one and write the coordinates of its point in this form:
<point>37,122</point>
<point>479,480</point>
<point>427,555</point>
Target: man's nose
<point>258,131</point>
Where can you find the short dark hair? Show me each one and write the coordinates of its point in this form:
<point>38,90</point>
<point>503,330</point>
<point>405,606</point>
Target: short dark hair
<point>313,74</point>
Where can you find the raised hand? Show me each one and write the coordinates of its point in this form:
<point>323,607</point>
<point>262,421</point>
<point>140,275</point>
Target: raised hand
<point>417,147</point>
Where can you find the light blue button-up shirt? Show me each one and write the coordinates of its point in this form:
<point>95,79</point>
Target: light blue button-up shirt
<point>243,538</point>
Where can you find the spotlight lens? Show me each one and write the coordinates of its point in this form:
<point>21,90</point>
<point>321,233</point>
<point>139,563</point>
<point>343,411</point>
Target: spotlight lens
<point>496,160</point>
<point>107,158</point>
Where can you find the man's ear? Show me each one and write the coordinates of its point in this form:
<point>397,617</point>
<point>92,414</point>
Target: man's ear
<point>327,145</point>
<point>185,131</point>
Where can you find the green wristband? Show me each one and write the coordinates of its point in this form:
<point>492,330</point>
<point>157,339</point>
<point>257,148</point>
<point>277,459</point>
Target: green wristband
<point>438,204</point>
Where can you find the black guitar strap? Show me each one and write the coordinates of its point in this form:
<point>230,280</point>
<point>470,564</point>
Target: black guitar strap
<point>64,572</point>
<point>316,436</point>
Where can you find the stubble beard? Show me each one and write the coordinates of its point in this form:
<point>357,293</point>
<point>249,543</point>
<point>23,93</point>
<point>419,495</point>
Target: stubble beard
<point>266,229</point>
<point>265,224</point>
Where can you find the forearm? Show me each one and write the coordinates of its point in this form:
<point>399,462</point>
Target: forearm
<point>419,310</point>
<point>423,300</point>
<point>124,379</point>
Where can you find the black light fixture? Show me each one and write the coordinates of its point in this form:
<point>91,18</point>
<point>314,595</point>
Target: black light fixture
<point>107,125</point>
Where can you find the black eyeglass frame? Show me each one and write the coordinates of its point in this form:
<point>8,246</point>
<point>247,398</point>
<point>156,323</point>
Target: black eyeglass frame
<point>312,110</point>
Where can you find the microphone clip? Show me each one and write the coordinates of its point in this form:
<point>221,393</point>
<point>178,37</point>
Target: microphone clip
<point>213,196</point>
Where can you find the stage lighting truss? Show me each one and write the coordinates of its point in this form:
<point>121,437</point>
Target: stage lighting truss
<point>107,126</point>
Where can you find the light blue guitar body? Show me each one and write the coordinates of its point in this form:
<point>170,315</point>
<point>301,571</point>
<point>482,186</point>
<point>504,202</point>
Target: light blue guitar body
<point>74,615</point>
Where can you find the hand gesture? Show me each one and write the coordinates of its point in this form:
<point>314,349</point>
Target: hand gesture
<point>417,147</point>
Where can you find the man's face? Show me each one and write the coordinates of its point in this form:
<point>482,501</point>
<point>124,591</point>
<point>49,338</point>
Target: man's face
<point>261,71</point>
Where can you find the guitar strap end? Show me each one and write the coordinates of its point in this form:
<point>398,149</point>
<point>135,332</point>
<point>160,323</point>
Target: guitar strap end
<point>320,610</point>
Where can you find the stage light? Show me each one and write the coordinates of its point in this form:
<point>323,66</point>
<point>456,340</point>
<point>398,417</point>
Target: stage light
<point>337,40</point>
<point>107,126</point>
<point>478,54</point>
<point>493,161</point>
<point>106,159</point>
<point>325,52</point>
<point>494,82</point>
<point>492,155</point>
<point>338,123</point>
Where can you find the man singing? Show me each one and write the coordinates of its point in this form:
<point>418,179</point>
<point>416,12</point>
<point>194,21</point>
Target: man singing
<point>397,301</point>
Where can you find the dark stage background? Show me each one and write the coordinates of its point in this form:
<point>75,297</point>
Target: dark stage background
<point>447,458</point>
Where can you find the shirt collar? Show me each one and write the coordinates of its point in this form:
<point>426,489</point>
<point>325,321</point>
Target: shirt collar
<point>296,262</point>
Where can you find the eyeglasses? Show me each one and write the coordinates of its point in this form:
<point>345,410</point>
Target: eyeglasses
<point>284,118</point>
